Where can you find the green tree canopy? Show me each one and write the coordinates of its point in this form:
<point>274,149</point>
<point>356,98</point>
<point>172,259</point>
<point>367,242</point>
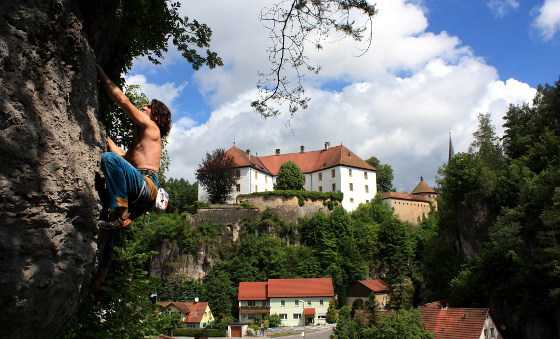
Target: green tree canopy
<point>384,175</point>
<point>218,175</point>
<point>400,324</point>
<point>289,177</point>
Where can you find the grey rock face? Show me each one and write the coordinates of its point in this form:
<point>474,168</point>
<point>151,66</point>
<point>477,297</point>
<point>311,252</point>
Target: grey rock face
<point>50,145</point>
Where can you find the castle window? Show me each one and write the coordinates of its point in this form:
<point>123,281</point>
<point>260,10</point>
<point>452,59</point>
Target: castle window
<point>256,175</point>
<point>334,187</point>
<point>365,175</point>
<point>333,173</point>
<point>350,172</point>
<point>320,175</point>
<point>352,200</point>
<point>367,189</point>
<point>320,188</point>
<point>238,187</point>
<point>351,186</point>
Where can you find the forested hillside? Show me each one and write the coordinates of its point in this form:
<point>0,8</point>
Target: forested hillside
<point>492,243</point>
<point>499,209</point>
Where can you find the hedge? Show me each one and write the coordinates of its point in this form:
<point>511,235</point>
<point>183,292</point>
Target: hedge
<point>191,332</point>
<point>336,196</point>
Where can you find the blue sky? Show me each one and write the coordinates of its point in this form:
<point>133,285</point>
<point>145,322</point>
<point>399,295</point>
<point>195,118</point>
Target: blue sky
<point>433,65</point>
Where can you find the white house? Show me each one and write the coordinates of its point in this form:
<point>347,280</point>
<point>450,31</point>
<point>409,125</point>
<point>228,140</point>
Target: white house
<point>296,301</point>
<point>332,169</point>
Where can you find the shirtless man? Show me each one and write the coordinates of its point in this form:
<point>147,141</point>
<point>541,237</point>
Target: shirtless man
<point>132,175</point>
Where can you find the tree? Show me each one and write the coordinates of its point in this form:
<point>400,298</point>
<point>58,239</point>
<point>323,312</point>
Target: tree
<point>342,329</point>
<point>218,175</point>
<point>182,194</point>
<point>371,306</point>
<point>293,24</point>
<point>384,175</point>
<point>331,317</point>
<point>289,177</point>
<point>400,324</point>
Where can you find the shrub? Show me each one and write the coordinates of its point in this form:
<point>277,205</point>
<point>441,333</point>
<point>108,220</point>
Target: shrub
<point>191,332</point>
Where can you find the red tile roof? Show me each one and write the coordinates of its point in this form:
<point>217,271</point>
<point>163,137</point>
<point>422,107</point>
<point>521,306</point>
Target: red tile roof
<point>314,161</point>
<point>244,159</point>
<point>300,288</point>
<point>308,162</point>
<point>422,187</point>
<point>403,196</point>
<point>193,311</point>
<point>289,288</point>
<point>252,291</point>
<point>457,323</point>
<point>375,285</point>
<point>308,311</point>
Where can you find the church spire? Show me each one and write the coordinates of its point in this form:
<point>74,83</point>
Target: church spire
<point>451,151</point>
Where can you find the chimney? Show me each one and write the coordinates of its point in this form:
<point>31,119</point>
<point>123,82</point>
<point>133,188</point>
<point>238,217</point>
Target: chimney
<point>248,152</point>
<point>327,145</point>
<point>277,151</point>
<point>302,149</point>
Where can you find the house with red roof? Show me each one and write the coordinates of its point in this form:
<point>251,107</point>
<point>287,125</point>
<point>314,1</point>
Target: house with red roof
<point>194,314</point>
<point>296,301</point>
<point>461,323</point>
<point>331,169</point>
<point>360,291</point>
<point>413,207</point>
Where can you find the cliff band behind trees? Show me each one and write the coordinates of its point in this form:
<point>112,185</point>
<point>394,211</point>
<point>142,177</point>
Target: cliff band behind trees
<point>50,142</point>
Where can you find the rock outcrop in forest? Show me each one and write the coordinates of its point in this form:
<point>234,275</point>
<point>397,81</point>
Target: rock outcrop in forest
<point>51,141</point>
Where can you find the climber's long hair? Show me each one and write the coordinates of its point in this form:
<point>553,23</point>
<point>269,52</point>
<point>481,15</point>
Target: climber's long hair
<point>162,117</point>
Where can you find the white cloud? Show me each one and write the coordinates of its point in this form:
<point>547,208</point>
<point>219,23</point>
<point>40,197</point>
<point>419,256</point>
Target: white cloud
<point>547,21</point>
<point>402,120</point>
<point>502,7</point>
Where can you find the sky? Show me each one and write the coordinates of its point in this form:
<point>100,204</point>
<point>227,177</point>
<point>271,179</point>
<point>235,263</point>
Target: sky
<point>432,66</point>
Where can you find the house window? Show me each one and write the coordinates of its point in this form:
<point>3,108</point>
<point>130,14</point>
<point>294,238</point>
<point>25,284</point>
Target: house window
<point>320,188</point>
<point>264,303</point>
<point>250,303</point>
<point>296,302</point>
<point>320,175</point>
<point>334,187</point>
<point>322,317</point>
<point>296,316</point>
<point>351,186</point>
<point>308,303</point>
<point>283,316</point>
<point>365,175</point>
<point>333,173</point>
<point>350,172</point>
<point>321,302</point>
<point>251,316</point>
<point>367,189</point>
<point>238,187</point>
<point>282,303</point>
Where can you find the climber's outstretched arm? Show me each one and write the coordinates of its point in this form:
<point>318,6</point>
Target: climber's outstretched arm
<point>114,148</point>
<point>117,95</point>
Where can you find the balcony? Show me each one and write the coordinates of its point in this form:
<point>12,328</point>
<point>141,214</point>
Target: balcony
<point>255,309</point>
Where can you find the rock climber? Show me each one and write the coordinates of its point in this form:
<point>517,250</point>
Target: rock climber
<point>131,176</point>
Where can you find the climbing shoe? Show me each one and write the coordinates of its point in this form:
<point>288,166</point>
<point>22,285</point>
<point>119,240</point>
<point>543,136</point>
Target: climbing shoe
<point>117,224</point>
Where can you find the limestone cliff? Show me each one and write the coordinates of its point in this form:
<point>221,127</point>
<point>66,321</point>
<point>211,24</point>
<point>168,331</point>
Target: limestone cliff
<point>51,141</point>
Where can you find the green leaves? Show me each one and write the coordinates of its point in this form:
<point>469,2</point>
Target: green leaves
<point>289,177</point>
